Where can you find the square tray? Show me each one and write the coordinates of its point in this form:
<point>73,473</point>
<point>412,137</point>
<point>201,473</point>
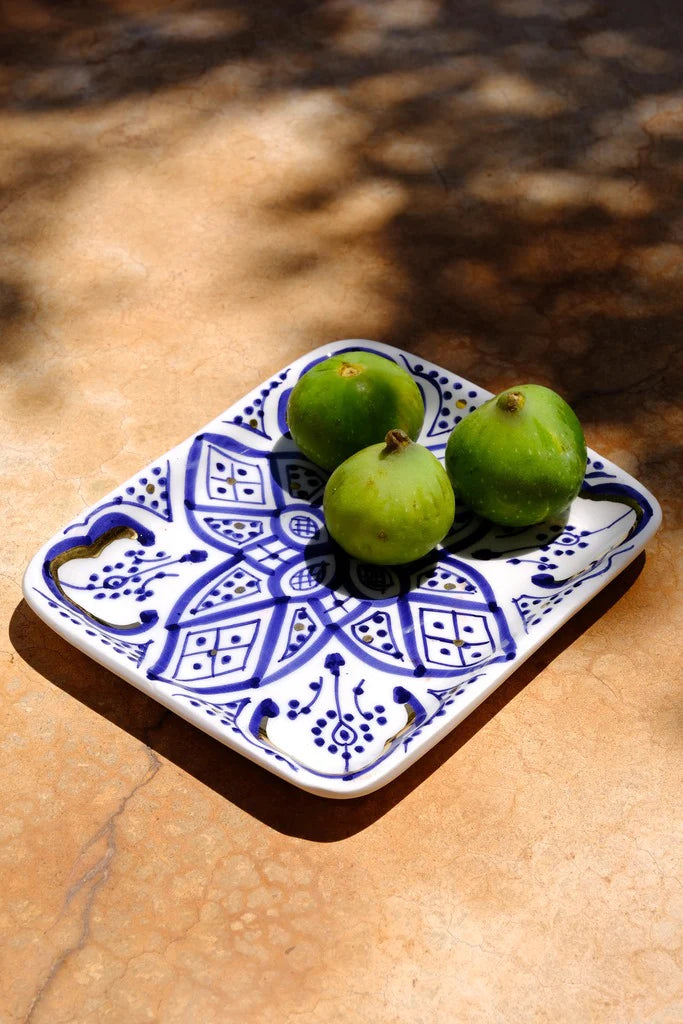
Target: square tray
<point>209,582</point>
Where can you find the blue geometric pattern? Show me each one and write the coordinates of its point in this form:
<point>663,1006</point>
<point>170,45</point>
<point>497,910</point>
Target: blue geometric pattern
<point>235,531</point>
<point>234,481</point>
<point>214,573</point>
<point>213,652</point>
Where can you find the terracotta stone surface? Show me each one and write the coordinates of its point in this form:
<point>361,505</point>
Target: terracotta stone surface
<point>193,194</point>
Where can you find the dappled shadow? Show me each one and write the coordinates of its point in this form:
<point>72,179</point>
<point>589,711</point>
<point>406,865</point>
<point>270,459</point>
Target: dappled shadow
<point>516,163</point>
<point>493,184</point>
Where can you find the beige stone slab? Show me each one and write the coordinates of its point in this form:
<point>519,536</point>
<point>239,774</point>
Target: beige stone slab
<point>192,195</point>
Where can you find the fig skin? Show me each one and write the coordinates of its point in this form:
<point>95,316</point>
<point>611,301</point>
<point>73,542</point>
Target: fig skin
<point>389,503</point>
<point>350,401</point>
<point>518,459</point>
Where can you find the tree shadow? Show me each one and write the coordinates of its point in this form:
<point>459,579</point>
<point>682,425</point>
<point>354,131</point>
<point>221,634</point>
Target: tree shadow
<point>513,168</point>
<point>533,151</point>
<point>276,803</point>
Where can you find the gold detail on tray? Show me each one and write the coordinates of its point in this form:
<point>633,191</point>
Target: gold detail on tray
<point>410,718</point>
<point>90,551</point>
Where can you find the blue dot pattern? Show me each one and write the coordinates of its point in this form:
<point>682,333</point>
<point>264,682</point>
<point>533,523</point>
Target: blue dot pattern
<point>262,624</point>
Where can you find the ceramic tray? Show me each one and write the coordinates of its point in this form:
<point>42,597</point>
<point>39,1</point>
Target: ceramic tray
<point>209,582</point>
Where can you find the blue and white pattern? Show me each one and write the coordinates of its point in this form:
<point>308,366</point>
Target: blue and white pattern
<point>209,581</point>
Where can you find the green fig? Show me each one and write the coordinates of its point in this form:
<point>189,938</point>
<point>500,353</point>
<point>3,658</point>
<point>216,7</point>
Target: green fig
<point>350,401</point>
<point>389,503</point>
<point>519,458</point>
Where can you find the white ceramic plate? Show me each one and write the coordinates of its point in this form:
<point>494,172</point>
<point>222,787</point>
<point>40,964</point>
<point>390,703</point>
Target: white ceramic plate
<point>209,582</point>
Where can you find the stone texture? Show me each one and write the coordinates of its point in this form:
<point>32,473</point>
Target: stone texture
<point>193,194</point>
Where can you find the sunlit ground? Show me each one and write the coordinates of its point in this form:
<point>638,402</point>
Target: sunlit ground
<point>191,195</point>
<point>494,184</point>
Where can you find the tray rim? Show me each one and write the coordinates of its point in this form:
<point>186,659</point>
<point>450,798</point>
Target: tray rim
<point>385,771</point>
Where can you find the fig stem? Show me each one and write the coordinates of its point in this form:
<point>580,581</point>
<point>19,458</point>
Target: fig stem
<point>348,370</point>
<point>511,401</point>
<point>395,441</point>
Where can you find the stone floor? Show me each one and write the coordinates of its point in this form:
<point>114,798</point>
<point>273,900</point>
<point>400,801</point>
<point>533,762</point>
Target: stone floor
<point>193,194</point>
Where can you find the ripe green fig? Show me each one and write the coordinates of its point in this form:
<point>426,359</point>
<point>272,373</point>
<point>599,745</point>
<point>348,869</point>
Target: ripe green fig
<point>519,458</point>
<point>389,503</point>
<point>350,401</point>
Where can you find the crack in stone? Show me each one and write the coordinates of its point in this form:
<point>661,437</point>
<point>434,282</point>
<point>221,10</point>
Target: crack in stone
<point>101,869</point>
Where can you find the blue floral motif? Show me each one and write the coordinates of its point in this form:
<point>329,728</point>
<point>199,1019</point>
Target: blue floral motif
<point>438,617</point>
<point>252,616</point>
